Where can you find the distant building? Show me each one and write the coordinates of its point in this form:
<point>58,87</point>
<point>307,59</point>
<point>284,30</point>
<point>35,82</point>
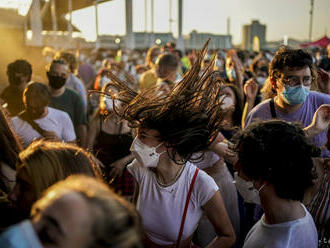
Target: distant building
<point>141,40</point>
<point>254,36</point>
<point>274,45</point>
<point>144,40</point>
<point>197,40</point>
<point>110,41</point>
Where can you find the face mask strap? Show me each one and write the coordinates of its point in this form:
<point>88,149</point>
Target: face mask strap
<point>262,186</point>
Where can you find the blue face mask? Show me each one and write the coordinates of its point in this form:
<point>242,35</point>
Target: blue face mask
<point>21,235</point>
<point>295,95</point>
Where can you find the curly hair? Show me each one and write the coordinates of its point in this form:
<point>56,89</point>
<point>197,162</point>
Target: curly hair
<point>277,152</point>
<point>288,57</point>
<point>188,118</point>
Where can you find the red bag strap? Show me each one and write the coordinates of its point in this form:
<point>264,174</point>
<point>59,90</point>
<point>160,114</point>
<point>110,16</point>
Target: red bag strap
<point>186,208</point>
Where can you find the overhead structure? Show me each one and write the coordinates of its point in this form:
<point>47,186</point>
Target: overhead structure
<point>51,15</point>
<point>61,8</point>
<point>180,43</point>
<point>129,24</point>
<point>56,15</point>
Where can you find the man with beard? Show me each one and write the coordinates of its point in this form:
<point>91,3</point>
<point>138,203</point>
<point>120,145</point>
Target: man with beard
<point>40,121</point>
<point>67,100</point>
<point>19,74</point>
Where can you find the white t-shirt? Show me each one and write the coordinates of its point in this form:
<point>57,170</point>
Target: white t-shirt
<point>209,159</point>
<point>300,233</point>
<point>161,208</point>
<point>56,121</point>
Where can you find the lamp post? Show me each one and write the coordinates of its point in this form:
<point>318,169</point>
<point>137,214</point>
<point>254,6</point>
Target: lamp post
<point>311,20</point>
<point>96,23</point>
<point>117,41</point>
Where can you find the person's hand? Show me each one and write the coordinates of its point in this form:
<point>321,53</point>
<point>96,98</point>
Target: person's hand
<point>225,150</point>
<point>320,122</point>
<point>50,135</point>
<point>117,168</point>
<point>251,89</point>
<point>217,139</point>
<point>321,118</point>
<point>323,81</point>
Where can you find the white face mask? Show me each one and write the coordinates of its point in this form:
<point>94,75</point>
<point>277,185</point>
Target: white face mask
<point>104,80</point>
<point>124,58</point>
<point>249,193</point>
<point>145,155</point>
<point>261,80</point>
<point>226,101</point>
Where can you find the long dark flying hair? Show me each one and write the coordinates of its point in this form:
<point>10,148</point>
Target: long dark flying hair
<point>188,118</point>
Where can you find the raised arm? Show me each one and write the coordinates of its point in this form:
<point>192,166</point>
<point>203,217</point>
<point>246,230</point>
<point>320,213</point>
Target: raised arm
<point>250,90</point>
<point>320,122</point>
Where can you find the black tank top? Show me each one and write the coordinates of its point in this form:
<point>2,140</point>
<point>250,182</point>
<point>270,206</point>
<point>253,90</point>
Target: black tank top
<point>110,147</point>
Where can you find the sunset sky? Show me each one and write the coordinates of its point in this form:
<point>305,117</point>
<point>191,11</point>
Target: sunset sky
<point>282,17</point>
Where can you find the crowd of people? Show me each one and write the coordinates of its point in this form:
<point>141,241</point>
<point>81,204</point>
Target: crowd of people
<point>159,148</point>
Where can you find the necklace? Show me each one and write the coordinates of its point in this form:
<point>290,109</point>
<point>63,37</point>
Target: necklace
<point>161,182</point>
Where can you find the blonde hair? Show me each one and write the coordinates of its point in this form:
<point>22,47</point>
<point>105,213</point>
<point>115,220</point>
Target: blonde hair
<point>49,162</point>
<point>115,221</point>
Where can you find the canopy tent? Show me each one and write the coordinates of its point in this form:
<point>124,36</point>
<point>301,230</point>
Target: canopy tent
<point>323,42</point>
<point>62,8</point>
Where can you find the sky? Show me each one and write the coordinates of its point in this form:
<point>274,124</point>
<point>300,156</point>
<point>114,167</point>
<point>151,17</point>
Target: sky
<point>282,17</point>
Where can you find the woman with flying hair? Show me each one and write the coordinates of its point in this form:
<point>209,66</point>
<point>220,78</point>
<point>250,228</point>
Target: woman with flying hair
<point>172,128</point>
<point>77,212</point>
<point>44,163</point>
<point>110,140</point>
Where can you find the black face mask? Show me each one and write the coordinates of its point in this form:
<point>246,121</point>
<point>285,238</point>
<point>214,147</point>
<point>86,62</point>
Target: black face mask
<point>56,82</point>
